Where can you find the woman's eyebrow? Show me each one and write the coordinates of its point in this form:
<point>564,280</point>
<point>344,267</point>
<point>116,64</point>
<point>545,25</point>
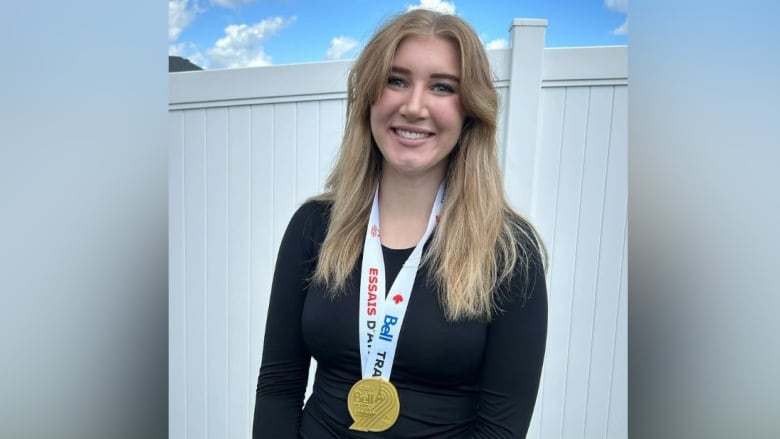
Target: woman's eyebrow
<point>405,71</point>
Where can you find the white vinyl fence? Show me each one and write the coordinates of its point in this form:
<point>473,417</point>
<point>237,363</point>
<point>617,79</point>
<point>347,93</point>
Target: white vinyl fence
<point>247,146</point>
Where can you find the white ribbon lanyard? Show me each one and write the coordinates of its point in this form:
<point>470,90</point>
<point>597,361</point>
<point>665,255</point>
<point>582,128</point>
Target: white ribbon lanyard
<point>380,320</point>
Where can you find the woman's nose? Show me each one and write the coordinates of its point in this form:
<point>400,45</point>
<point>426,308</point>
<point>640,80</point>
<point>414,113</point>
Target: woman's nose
<point>415,105</point>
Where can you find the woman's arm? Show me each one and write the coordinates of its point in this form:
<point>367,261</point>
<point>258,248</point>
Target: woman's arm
<point>284,371</point>
<point>513,360</point>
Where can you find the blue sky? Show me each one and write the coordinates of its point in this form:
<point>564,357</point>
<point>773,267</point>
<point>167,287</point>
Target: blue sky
<point>242,33</point>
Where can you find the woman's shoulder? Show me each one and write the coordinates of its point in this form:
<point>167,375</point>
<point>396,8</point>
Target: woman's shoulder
<point>315,207</point>
<point>307,227</point>
<point>312,214</point>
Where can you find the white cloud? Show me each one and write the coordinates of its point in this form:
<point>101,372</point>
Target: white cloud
<point>620,6</point>
<point>198,59</point>
<point>242,45</point>
<point>498,43</point>
<point>176,49</point>
<point>339,46</point>
<point>180,14</point>
<point>188,51</point>
<point>617,5</point>
<point>435,5</point>
<point>622,29</point>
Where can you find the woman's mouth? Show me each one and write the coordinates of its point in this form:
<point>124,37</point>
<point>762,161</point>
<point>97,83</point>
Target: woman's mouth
<point>412,135</point>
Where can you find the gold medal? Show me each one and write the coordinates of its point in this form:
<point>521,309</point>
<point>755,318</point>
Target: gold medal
<point>373,404</point>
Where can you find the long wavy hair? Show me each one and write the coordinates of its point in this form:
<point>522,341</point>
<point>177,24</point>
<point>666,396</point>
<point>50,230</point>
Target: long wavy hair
<point>480,241</point>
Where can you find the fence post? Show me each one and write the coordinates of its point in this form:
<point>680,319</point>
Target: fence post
<point>525,80</point>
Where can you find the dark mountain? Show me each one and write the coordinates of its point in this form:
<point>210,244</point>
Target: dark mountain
<point>179,64</point>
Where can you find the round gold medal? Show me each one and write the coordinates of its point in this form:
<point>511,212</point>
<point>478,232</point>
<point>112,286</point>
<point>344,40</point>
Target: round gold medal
<point>373,404</point>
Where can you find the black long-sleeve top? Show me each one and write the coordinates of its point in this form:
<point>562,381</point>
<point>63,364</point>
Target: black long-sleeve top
<point>469,379</point>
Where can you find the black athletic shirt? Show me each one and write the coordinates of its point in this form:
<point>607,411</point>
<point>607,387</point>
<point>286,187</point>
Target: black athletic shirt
<point>467,379</point>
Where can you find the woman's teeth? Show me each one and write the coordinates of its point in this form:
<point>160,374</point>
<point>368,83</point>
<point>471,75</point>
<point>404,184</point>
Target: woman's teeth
<point>412,135</point>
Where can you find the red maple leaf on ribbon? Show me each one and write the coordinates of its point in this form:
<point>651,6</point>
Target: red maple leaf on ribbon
<point>398,299</point>
<point>374,231</point>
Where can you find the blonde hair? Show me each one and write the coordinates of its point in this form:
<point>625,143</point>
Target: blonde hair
<point>480,242</point>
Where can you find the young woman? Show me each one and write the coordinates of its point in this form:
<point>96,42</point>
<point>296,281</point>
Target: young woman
<point>418,290</point>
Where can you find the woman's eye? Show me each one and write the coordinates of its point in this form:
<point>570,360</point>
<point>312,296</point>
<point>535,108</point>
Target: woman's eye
<point>395,81</point>
<point>443,88</point>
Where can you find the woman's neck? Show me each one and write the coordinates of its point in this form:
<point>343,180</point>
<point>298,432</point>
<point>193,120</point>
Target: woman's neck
<point>405,207</point>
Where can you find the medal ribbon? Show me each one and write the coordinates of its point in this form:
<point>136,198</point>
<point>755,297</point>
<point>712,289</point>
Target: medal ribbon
<point>381,319</point>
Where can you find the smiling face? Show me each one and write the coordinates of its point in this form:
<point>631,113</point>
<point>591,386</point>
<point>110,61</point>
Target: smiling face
<point>417,119</point>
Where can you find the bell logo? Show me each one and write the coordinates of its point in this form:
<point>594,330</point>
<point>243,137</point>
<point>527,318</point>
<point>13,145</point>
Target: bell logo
<point>386,331</point>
